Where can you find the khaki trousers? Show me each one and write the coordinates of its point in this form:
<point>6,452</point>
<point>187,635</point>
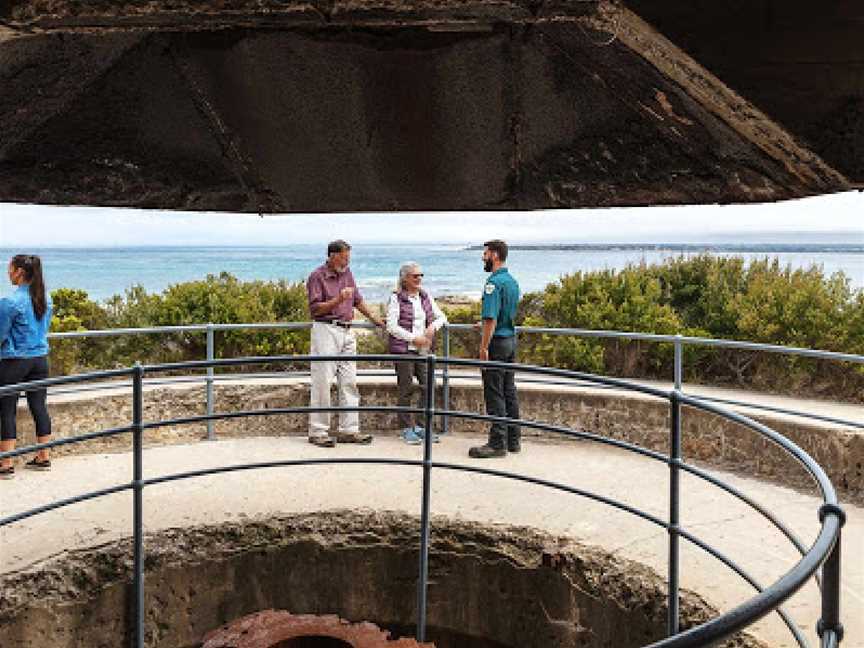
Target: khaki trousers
<point>329,339</point>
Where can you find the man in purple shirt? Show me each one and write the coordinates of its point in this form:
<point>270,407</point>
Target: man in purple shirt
<point>333,296</point>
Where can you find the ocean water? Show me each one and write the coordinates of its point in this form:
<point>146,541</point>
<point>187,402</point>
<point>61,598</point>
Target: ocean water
<point>448,269</point>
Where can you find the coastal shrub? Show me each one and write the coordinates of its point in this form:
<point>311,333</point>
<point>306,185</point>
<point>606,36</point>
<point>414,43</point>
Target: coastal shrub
<point>629,300</point>
<point>220,299</point>
<point>764,302</point>
<point>705,296</point>
<point>799,308</point>
<point>463,344</point>
<point>224,299</point>
<point>74,311</point>
<point>716,297</point>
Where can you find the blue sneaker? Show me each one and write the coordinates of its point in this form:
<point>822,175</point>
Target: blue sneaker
<point>421,433</point>
<point>410,436</point>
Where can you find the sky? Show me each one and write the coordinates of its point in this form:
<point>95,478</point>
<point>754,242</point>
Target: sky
<point>833,218</point>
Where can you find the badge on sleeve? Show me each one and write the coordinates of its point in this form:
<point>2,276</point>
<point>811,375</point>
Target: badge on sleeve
<point>490,288</point>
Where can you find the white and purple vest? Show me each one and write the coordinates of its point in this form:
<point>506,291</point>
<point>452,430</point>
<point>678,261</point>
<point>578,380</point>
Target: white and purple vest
<point>406,319</point>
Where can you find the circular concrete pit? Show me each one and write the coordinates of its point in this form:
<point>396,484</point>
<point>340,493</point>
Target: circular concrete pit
<point>489,587</point>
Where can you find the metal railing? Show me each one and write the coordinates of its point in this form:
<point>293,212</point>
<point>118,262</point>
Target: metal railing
<point>678,342</point>
<point>824,552</point>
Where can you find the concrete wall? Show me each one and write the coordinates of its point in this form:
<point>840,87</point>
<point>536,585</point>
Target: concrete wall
<point>804,67</point>
<point>707,439</point>
<point>374,106</point>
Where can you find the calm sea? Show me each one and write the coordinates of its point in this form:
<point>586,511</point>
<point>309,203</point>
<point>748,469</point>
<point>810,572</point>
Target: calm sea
<point>449,269</point>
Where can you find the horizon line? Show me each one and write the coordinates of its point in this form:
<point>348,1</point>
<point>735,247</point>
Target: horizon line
<point>460,244</point>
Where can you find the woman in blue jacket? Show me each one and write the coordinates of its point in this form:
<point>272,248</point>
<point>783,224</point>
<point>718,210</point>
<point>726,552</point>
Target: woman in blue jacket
<point>25,317</point>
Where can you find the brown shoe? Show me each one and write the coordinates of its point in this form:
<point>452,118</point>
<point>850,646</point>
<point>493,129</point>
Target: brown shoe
<point>358,437</point>
<point>486,452</point>
<point>323,441</point>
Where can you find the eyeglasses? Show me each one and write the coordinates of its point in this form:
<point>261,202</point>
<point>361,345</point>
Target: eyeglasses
<point>418,275</point>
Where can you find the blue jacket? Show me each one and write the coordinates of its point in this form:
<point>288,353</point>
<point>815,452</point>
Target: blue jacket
<point>21,334</point>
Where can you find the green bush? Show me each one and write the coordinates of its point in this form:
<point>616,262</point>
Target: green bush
<point>630,300</point>
<point>221,299</point>
<point>224,299</point>
<point>74,311</point>
<point>714,297</point>
<point>701,296</point>
<point>463,344</point>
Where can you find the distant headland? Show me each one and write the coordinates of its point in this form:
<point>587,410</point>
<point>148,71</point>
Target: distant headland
<point>847,248</point>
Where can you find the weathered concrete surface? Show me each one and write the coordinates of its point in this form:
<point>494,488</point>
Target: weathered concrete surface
<point>801,63</point>
<point>268,628</point>
<point>374,105</point>
<point>617,414</point>
<point>246,496</point>
<point>512,585</point>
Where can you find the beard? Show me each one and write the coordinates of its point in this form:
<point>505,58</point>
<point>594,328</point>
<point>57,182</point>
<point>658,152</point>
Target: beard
<point>487,265</point>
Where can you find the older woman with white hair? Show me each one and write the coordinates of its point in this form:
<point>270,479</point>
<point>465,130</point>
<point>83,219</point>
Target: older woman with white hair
<point>413,317</point>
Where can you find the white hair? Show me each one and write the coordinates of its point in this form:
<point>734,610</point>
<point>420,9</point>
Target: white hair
<point>404,270</point>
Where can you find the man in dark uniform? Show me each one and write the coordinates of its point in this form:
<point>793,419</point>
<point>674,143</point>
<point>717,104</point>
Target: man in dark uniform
<point>498,343</point>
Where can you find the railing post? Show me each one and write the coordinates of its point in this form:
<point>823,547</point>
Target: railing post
<point>138,504</point>
<point>445,423</point>
<point>679,362</point>
<point>674,510</point>
<point>211,354</point>
<point>423,581</point>
<point>829,628</point>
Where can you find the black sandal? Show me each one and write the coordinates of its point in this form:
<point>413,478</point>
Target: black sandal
<point>7,473</point>
<point>38,464</point>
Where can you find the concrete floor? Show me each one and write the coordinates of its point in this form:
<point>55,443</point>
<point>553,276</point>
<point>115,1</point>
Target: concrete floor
<point>711,514</point>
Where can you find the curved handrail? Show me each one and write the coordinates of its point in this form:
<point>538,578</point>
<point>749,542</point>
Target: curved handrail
<point>678,342</point>
<point>64,380</point>
<point>611,382</point>
<point>767,600</point>
<point>575,332</point>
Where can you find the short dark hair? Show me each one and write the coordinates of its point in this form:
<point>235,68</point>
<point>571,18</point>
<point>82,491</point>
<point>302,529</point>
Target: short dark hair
<point>499,247</point>
<point>334,247</point>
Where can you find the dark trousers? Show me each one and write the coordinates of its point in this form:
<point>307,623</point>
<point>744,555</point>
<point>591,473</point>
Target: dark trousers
<point>405,373</point>
<point>16,370</point>
<point>499,391</point>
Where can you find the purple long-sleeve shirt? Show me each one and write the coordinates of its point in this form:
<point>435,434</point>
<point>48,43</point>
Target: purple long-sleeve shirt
<point>323,285</point>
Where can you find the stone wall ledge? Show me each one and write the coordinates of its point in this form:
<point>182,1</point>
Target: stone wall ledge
<point>632,417</point>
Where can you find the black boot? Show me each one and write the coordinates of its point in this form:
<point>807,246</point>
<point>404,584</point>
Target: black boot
<point>487,452</point>
<point>514,443</point>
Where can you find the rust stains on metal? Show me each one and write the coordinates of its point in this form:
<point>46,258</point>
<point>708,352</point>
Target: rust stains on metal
<point>271,628</point>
